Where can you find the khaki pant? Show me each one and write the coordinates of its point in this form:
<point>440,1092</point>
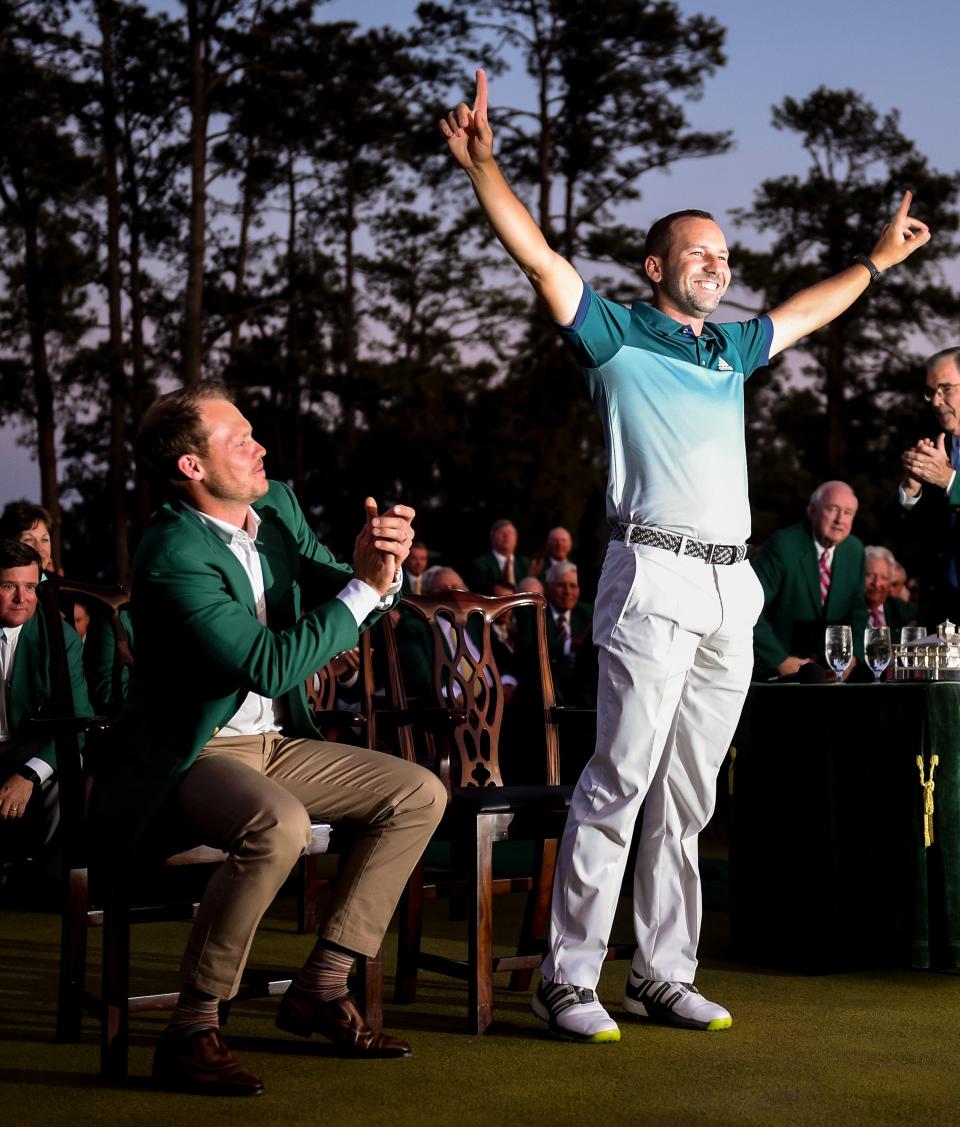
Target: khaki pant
<point>254,796</point>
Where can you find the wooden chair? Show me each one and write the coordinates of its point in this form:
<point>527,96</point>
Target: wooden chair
<point>113,906</point>
<point>460,730</point>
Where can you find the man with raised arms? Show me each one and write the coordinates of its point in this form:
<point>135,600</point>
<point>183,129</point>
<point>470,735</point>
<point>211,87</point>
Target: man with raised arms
<point>677,600</point>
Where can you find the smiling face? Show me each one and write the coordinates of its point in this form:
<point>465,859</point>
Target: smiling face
<point>831,516</point>
<point>38,537</point>
<point>693,275</point>
<point>943,385</point>
<point>229,475</point>
<point>18,594</point>
<point>879,576</point>
<point>564,593</point>
<point>559,543</point>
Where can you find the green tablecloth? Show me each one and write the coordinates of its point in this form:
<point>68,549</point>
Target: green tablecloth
<point>828,866</point>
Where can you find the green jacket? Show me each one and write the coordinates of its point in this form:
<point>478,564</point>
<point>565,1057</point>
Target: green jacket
<point>30,682</point>
<point>484,572</point>
<point>200,648</point>
<point>793,620</point>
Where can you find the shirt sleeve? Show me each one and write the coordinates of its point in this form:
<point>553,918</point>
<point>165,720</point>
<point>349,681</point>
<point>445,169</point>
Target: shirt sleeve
<point>752,340</point>
<point>597,332</point>
<point>360,599</point>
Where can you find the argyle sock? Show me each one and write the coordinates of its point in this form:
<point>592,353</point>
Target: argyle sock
<point>324,975</point>
<point>195,1010</point>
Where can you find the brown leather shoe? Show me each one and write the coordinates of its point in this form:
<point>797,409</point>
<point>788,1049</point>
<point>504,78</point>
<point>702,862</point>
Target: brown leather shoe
<point>341,1021</point>
<point>201,1063</point>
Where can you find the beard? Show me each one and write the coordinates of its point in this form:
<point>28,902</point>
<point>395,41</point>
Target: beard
<point>690,300</point>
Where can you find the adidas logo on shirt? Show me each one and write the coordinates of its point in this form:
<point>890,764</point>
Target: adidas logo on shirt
<point>723,366</point>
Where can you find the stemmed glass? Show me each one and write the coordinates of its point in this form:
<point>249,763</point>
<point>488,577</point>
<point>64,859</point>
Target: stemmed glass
<point>838,647</point>
<point>877,649</point>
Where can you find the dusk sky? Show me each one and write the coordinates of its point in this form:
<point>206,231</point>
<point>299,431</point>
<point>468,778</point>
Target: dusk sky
<point>897,55</point>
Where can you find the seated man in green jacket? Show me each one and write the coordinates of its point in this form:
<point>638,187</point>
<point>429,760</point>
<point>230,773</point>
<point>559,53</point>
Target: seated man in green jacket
<point>812,575</point>
<point>235,603</point>
<point>28,797</point>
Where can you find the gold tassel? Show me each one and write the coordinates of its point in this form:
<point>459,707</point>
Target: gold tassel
<point>928,786</point>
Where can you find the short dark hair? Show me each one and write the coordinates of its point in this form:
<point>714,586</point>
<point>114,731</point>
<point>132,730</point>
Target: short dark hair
<point>498,524</point>
<point>15,553</point>
<point>21,516</point>
<point>658,237</point>
<point>172,427</point>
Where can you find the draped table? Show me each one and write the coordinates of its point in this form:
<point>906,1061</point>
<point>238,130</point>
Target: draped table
<point>829,867</point>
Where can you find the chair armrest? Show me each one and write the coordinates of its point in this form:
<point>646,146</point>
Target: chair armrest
<point>432,717</point>
<point>338,716</point>
<point>71,723</point>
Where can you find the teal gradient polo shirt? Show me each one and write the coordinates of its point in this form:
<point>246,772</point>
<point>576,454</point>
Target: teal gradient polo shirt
<point>671,405</point>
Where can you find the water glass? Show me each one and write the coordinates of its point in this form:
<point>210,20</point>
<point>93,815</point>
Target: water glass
<point>910,635</point>
<point>877,649</point>
<point>838,647</point>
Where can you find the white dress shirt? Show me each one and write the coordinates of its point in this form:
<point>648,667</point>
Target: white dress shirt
<point>8,649</point>
<point>258,714</point>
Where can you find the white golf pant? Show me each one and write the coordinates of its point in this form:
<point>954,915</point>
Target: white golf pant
<point>676,654</point>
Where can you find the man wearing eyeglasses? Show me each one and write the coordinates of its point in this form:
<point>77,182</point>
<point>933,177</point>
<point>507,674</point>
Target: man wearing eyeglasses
<point>930,476</point>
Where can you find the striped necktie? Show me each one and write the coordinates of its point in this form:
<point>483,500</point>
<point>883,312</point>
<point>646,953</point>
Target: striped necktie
<point>877,617</point>
<point>824,575</point>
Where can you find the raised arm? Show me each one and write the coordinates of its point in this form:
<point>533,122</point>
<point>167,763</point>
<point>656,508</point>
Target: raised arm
<point>812,308</point>
<point>470,140</point>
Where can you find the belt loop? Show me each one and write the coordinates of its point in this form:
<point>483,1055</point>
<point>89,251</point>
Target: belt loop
<point>681,550</point>
<point>628,535</point>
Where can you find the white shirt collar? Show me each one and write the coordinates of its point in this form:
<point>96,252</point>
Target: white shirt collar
<point>224,529</point>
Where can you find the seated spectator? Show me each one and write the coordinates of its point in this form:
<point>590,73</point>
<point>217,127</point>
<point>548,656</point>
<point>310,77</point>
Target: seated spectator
<point>573,655</point>
<point>898,586</point>
<point>236,604</point>
<point>812,575</point>
<point>414,568</point>
<point>28,798</point>
<point>108,671</point>
<point>415,641</point>
<point>883,609</point>
<point>558,548</point>
<point>500,564</point>
<point>32,525</point>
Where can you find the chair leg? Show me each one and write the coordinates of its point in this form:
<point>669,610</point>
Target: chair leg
<point>536,913</point>
<point>368,987</point>
<point>73,956</point>
<point>114,1029</point>
<point>308,886</point>
<point>409,932</point>
<point>480,928</point>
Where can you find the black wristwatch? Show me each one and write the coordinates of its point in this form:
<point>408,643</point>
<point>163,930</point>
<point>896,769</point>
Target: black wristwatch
<point>862,260</point>
<point>29,774</point>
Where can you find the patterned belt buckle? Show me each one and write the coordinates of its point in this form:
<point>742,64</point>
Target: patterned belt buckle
<point>711,548</point>
<point>682,546</point>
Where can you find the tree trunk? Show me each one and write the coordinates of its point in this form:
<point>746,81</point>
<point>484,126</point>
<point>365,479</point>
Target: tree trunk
<point>243,243</point>
<point>349,312</point>
<point>835,383</point>
<point>196,247</point>
<point>141,389</point>
<point>117,464</point>
<point>42,388</point>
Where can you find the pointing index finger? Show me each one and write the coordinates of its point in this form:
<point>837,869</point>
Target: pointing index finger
<point>904,209</point>
<point>480,101</point>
